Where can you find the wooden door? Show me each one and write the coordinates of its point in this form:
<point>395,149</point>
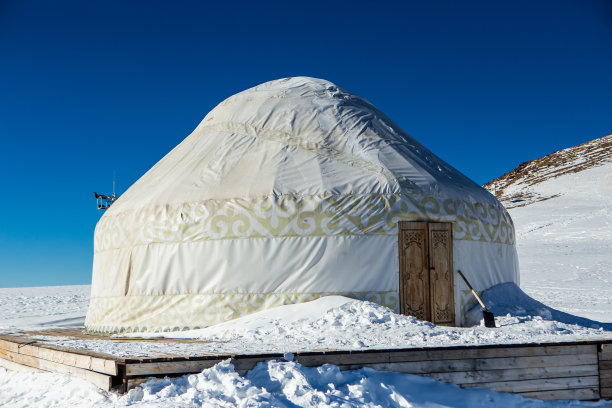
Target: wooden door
<point>414,270</point>
<point>441,286</point>
<point>426,271</point>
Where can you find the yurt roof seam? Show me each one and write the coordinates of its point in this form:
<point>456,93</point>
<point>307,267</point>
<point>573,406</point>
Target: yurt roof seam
<point>266,237</point>
<point>244,129</point>
<point>372,235</point>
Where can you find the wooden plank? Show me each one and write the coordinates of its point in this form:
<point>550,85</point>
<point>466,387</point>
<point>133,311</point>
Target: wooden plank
<point>586,393</point>
<point>605,365</point>
<point>344,358</point>
<point>100,380</point>
<point>81,333</point>
<point>514,374</point>
<point>606,352</point>
<point>136,382</point>
<point>575,394</point>
<point>541,384</point>
<point>530,368</point>
<point>77,360</point>
<point>12,366</point>
<point>20,341</point>
<point>15,339</point>
<point>346,367</point>
<point>604,374</point>
<point>21,358</point>
<point>476,364</point>
<point>605,382</point>
<point>71,357</point>
<point>437,354</point>
<point>480,352</point>
<point>606,392</point>
<point>242,365</point>
<point>168,367</point>
<point>83,352</point>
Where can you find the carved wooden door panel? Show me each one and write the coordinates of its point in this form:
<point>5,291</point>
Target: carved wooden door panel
<point>441,273</point>
<point>426,271</point>
<point>414,273</point>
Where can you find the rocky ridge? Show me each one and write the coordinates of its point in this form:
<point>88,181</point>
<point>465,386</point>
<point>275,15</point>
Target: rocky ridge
<point>517,187</point>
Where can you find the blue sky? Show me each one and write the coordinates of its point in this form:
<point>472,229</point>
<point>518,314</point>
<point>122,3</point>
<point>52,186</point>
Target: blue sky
<point>88,87</point>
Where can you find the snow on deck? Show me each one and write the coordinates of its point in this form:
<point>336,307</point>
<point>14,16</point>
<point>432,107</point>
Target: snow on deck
<point>339,323</point>
<point>332,322</point>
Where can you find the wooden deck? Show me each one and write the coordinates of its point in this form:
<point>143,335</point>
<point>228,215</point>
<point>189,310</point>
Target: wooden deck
<point>573,370</point>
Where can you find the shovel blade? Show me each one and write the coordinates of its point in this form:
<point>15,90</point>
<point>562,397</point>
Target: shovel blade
<point>489,318</point>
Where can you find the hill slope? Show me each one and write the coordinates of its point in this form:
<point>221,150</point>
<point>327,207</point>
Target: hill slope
<point>561,205</point>
<point>523,185</point>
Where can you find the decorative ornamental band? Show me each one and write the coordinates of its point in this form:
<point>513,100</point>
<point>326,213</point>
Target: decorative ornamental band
<point>290,215</point>
<point>193,311</point>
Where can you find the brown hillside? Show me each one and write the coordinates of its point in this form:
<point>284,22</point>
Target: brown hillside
<point>572,160</point>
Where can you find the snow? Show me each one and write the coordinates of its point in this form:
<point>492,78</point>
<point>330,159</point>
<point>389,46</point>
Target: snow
<point>339,323</point>
<point>49,307</point>
<point>29,390</point>
<point>564,243</point>
<point>331,322</point>
<point>566,270</point>
<point>269,384</point>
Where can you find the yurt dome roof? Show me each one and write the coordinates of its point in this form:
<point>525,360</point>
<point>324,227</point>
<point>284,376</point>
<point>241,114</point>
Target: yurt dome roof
<point>285,192</point>
<point>296,135</point>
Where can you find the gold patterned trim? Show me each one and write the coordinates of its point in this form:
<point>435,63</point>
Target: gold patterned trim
<point>298,216</point>
<point>119,314</point>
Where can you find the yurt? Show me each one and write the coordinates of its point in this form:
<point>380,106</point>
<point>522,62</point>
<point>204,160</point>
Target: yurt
<point>286,192</point>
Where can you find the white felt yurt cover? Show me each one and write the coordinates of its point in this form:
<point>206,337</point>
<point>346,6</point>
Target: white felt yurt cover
<point>285,192</point>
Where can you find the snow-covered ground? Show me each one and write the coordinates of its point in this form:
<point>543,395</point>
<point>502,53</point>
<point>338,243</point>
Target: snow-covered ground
<point>35,308</point>
<point>333,322</point>
<point>271,384</point>
<point>339,323</point>
<point>565,243</point>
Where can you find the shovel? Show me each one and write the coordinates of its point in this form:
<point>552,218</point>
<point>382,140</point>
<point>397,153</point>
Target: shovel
<point>489,318</point>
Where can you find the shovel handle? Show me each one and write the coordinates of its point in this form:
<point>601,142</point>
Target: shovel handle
<point>473,291</point>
